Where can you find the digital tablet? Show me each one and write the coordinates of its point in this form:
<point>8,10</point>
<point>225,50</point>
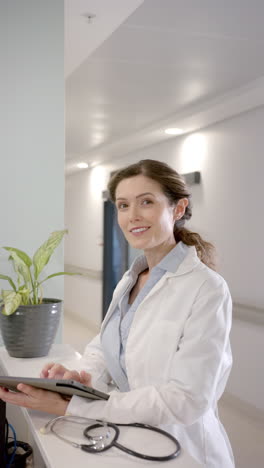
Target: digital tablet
<point>65,387</point>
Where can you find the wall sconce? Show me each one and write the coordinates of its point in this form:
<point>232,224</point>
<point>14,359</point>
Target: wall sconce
<point>192,177</point>
<point>105,195</point>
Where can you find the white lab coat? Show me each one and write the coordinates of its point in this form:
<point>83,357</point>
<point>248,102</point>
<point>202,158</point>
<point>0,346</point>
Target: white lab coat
<point>178,360</point>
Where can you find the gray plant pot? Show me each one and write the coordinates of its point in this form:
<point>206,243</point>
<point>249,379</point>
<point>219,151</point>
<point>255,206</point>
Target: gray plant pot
<point>30,331</point>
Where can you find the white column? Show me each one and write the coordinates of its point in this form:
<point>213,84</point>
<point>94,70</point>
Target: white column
<point>32,128</point>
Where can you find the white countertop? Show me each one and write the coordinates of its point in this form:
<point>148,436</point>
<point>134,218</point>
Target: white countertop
<point>57,453</point>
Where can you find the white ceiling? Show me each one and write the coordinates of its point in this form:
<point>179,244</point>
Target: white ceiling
<point>83,34</point>
<point>143,66</point>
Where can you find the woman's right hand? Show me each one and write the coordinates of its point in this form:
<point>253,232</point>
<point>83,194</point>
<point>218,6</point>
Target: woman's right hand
<point>58,371</point>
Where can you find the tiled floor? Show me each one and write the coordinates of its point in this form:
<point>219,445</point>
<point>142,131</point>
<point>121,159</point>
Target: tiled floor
<point>246,434</point>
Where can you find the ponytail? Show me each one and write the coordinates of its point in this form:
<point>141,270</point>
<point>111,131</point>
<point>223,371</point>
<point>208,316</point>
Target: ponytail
<point>205,250</point>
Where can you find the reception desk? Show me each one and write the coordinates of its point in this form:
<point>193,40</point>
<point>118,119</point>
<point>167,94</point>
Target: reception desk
<point>50,452</point>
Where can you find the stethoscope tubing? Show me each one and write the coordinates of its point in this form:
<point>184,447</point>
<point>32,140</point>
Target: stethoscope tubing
<point>134,453</point>
<point>93,447</point>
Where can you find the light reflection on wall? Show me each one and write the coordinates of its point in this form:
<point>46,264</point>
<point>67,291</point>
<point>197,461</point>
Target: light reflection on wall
<point>193,153</point>
<point>98,182</point>
<point>97,138</point>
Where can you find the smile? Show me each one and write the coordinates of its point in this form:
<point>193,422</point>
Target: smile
<point>139,230</point>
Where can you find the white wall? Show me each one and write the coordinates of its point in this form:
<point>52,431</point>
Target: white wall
<point>227,210</point>
<point>32,128</point>
<point>83,246</point>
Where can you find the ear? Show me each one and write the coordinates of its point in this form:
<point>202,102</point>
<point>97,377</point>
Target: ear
<point>180,208</point>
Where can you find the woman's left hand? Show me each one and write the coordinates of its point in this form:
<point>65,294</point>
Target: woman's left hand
<point>35,398</point>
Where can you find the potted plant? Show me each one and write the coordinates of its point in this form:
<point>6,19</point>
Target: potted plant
<point>29,322</point>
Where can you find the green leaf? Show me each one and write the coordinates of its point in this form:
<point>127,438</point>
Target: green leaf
<point>11,300</point>
<point>21,267</point>
<point>22,255</point>
<point>4,277</point>
<point>45,251</point>
<point>24,292</point>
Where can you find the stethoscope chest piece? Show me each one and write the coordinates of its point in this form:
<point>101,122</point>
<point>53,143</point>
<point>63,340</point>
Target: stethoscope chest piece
<point>100,443</point>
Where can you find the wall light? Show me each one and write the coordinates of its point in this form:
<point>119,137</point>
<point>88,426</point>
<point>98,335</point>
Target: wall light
<point>192,177</point>
<point>82,165</point>
<point>174,131</point>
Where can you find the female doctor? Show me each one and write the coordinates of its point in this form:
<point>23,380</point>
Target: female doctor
<point>163,349</point>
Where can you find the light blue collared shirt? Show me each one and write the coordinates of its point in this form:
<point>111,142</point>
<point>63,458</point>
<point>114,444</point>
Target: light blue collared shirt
<point>115,334</point>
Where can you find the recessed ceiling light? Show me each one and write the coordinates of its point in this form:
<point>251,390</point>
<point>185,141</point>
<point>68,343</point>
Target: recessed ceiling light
<point>89,17</point>
<point>82,165</point>
<point>173,131</point>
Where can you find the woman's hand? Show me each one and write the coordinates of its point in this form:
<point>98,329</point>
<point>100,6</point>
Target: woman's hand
<point>43,400</point>
<point>35,398</point>
<point>57,371</point>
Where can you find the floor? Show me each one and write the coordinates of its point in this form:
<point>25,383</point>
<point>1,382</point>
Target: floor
<point>246,434</point>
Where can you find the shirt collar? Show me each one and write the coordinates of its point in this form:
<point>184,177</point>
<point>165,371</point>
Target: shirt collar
<point>139,264</point>
<point>170,262</point>
<point>174,258</point>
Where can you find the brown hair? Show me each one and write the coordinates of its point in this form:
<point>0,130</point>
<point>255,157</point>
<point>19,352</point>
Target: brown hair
<point>175,188</point>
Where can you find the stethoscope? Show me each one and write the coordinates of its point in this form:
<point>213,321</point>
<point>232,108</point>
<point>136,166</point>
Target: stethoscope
<point>100,443</point>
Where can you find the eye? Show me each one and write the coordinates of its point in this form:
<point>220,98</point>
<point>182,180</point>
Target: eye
<point>146,201</point>
<point>122,206</point>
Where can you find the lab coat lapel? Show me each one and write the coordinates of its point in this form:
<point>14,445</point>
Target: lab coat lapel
<point>118,293</point>
<point>188,264</point>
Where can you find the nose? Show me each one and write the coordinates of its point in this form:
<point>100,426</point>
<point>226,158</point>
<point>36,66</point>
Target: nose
<point>134,213</point>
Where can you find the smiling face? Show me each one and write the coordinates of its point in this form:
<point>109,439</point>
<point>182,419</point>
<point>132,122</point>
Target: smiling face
<point>145,215</point>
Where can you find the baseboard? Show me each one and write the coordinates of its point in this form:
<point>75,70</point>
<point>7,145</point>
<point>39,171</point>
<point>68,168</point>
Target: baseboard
<point>243,407</point>
<point>248,313</point>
